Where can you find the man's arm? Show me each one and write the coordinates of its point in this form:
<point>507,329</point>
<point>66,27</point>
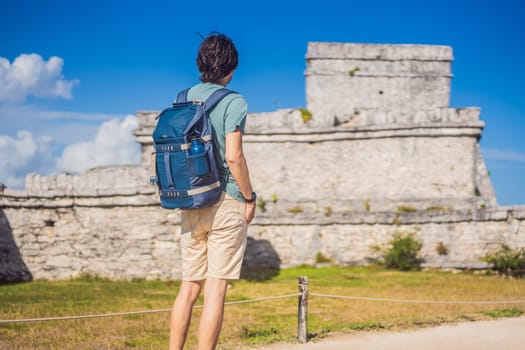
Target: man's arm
<point>239,169</point>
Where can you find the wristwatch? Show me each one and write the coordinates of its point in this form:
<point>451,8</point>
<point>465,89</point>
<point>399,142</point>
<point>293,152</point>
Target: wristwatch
<point>251,200</point>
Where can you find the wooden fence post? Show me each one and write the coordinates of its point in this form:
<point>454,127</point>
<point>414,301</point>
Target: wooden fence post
<point>302,315</point>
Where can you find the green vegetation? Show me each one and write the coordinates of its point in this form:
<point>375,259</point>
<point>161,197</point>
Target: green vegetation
<point>261,204</point>
<point>401,253</point>
<point>436,208</point>
<point>327,211</point>
<point>320,258</point>
<point>498,313</point>
<point>405,209</point>
<point>367,205</point>
<point>441,248</point>
<point>507,261</point>
<point>295,210</point>
<point>306,115</point>
<point>352,71</point>
<point>251,324</point>
<point>274,198</point>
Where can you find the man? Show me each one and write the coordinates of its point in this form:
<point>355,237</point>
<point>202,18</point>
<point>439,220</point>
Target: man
<point>213,239</point>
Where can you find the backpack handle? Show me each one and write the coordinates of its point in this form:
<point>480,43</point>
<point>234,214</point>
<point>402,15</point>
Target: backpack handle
<point>182,96</point>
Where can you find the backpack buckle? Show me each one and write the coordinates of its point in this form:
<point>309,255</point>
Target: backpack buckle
<point>197,102</point>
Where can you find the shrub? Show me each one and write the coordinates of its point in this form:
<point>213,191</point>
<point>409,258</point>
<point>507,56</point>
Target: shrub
<point>320,258</point>
<point>401,252</point>
<point>306,115</point>
<point>507,261</point>
<point>441,248</point>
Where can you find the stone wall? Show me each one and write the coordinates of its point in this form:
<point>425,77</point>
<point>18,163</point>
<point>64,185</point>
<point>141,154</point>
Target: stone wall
<point>114,238</point>
<point>425,159</point>
<point>347,237</point>
<point>376,151</point>
<point>105,222</point>
<point>421,171</point>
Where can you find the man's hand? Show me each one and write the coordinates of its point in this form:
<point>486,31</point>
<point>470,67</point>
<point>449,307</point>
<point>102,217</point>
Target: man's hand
<point>250,212</point>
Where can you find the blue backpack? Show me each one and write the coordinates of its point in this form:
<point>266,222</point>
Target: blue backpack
<point>183,164</point>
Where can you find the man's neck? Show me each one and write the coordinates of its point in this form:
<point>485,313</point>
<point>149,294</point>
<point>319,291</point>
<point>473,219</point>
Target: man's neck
<point>223,81</point>
<point>226,80</point>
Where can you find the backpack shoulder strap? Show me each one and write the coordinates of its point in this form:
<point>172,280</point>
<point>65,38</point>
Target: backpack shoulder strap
<point>182,96</point>
<point>215,98</point>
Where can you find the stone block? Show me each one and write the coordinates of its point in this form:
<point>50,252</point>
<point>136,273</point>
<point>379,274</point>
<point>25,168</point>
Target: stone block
<point>343,78</point>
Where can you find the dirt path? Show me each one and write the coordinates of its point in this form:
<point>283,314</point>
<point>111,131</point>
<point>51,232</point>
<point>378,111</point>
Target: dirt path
<point>503,334</point>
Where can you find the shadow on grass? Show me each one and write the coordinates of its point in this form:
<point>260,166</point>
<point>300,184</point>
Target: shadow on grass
<point>261,261</point>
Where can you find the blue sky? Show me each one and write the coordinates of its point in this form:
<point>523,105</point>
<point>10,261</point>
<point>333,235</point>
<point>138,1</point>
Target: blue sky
<point>113,58</point>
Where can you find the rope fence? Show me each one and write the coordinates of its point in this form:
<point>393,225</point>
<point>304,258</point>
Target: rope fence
<point>302,309</point>
<point>143,312</point>
<point>418,301</point>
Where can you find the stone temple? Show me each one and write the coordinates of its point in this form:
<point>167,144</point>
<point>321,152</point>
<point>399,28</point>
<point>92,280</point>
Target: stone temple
<point>376,151</point>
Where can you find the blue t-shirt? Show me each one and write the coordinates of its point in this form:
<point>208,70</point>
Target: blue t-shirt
<point>226,117</point>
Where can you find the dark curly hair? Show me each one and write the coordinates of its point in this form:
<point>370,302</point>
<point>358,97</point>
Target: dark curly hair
<point>217,57</point>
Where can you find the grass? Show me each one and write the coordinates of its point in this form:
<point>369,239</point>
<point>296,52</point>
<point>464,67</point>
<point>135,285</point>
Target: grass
<point>248,324</point>
<point>498,313</point>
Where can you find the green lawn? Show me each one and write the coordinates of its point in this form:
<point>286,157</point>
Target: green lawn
<point>252,323</point>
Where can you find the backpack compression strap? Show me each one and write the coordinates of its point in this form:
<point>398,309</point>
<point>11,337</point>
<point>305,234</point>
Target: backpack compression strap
<point>208,105</point>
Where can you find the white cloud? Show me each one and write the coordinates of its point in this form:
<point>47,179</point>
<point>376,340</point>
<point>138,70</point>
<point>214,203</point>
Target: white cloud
<point>31,75</point>
<point>113,144</point>
<point>32,112</point>
<point>504,155</point>
<point>22,155</point>
<point>65,127</point>
<point>90,143</point>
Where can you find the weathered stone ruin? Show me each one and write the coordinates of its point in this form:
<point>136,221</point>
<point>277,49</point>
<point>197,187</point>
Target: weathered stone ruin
<point>376,151</point>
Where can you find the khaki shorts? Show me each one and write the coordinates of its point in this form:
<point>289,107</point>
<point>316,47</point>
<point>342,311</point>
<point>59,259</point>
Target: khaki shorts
<point>213,240</point>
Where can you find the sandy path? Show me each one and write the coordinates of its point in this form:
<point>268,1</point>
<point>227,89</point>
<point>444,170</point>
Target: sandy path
<point>503,334</point>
